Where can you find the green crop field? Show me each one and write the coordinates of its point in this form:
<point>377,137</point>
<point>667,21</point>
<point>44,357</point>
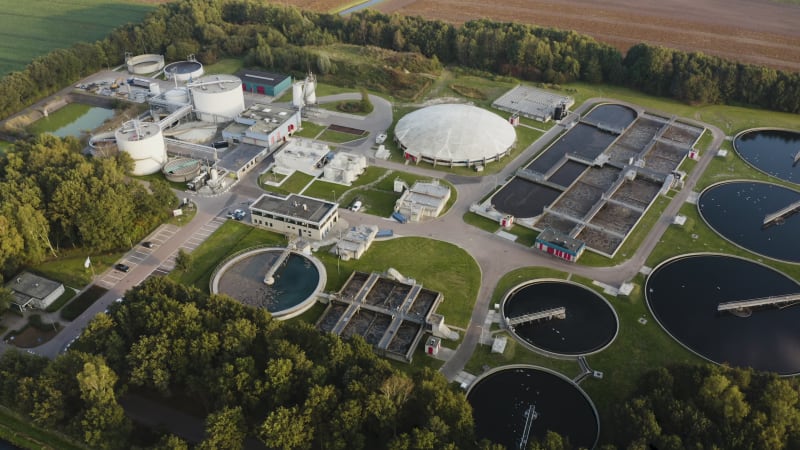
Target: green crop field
<point>35,27</point>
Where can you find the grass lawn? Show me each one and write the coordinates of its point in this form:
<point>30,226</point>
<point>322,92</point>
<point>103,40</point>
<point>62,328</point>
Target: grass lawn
<point>226,65</point>
<point>294,184</point>
<point>374,202</point>
<point>22,433</point>
<point>310,130</point>
<point>481,222</point>
<point>69,268</point>
<point>33,29</point>
<point>62,299</point>
<point>337,137</point>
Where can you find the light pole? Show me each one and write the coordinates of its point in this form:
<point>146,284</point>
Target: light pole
<point>333,195</point>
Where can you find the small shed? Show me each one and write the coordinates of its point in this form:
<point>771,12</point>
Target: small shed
<point>559,244</point>
<point>264,83</point>
<point>432,346</point>
<point>29,290</point>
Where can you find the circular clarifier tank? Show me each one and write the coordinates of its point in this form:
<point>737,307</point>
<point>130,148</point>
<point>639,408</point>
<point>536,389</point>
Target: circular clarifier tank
<point>761,217</point>
<point>282,281</point>
<point>510,400</point>
<point>726,310</point>
<point>772,151</point>
<point>534,315</point>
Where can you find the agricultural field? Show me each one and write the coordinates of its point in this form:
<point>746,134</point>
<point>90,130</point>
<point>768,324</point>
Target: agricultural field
<point>755,31</point>
<point>36,27</point>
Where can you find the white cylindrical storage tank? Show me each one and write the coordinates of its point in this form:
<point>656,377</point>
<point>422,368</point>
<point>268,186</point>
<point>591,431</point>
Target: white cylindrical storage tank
<point>177,95</point>
<point>214,174</point>
<point>145,143</point>
<point>310,90</point>
<point>297,94</point>
<point>217,97</point>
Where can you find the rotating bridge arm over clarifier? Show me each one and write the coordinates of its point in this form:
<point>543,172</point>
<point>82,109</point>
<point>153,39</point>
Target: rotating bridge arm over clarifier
<point>269,277</point>
<point>791,209</point>
<point>753,302</point>
<point>558,313</point>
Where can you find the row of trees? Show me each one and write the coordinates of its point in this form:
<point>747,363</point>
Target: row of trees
<point>52,196</point>
<point>282,37</point>
<point>286,385</point>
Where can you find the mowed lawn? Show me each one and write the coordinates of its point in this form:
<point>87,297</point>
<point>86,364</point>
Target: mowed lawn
<point>35,27</point>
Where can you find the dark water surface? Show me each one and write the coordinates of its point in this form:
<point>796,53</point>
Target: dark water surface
<point>736,210</point>
<point>771,151</point>
<point>499,402</point>
<point>683,295</point>
<point>589,326</point>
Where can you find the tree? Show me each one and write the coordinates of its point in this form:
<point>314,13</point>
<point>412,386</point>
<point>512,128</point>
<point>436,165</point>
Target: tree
<point>225,429</point>
<point>103,420</point>
<point>183,260</point>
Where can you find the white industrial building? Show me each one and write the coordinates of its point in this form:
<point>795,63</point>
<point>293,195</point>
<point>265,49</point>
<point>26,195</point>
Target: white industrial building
<point>217,98</point>
<point>295,215</point>
<point>454,135</point>
<point>302,155</point>
<point>265,125</point>
<point>344,168</point>
<point>425,199</point>
<point>145,143</point>
<point>355,242</point>
<point>33,291</point>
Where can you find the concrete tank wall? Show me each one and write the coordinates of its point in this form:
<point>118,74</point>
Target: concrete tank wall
<point>145,143</point>
<point>145,64</point>
<point>217,98</point>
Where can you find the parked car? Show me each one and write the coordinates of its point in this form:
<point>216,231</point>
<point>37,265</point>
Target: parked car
<point>380,138</point>
<point>122,267</point>
<point>147,244</point>
<point>356,206</point>
<point>239,214</point>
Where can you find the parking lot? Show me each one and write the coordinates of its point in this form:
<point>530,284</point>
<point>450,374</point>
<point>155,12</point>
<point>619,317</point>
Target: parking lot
<point>137,255</point>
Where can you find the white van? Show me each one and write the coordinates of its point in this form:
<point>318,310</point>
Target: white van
<point>356,206</point>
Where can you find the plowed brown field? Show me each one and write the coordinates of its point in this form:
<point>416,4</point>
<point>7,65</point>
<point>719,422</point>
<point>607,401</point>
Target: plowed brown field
<point>756,31</point>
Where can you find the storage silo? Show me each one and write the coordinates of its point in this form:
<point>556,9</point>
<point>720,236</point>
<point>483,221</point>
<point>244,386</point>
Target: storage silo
<point>217,97</point>
<point>310,90</point>
<point>145,143</point>
<point>297,94</point>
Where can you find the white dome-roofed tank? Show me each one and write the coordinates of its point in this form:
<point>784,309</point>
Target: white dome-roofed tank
<point>145,143</point>
<point>217,97</point>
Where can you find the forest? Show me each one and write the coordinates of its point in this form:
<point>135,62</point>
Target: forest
<point>284,384</point>
<point>54,198</point>
<point>285,39</point>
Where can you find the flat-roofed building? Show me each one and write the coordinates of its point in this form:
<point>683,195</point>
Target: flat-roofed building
<point>424,199</point>
<point>559,245</point>
<point>264,83</point>
<point>295,215</point>
<point>33,291</point>
<point>265,125</point>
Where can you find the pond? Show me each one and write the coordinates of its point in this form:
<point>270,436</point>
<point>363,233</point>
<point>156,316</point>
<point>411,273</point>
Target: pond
<point>72,120</point>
